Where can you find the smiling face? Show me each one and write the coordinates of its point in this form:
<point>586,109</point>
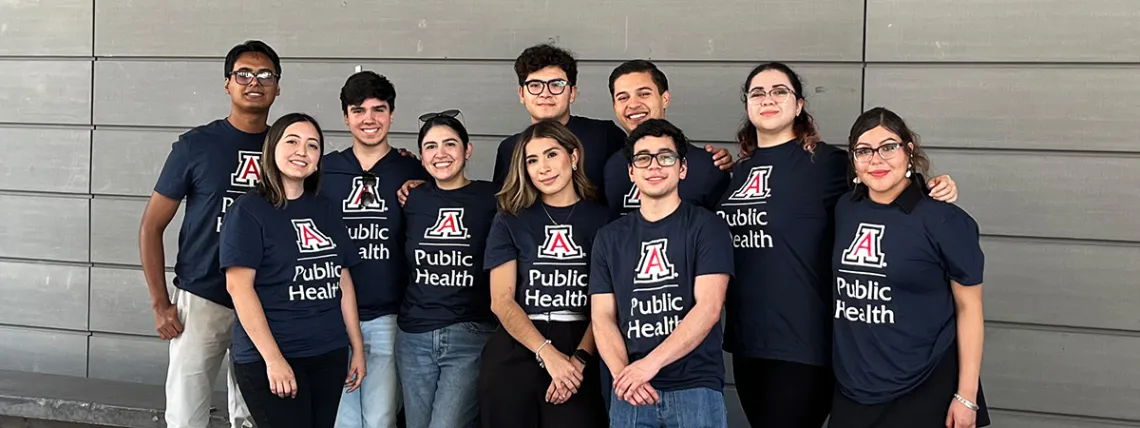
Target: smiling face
<point>637,99</point>
<point>772,103</point>
<point>256,95</point>
<point>369,122</point>
<point>298,152</point>
<point>549,166</point>
<point>652,178</point>
<point>444,153</point>
<point>882,176</point>
<point>553,98</point>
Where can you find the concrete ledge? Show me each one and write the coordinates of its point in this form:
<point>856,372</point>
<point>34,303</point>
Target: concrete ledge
<point>89,401</point>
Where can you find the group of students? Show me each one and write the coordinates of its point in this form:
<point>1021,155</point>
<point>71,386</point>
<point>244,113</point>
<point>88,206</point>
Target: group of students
<point>583,286</point>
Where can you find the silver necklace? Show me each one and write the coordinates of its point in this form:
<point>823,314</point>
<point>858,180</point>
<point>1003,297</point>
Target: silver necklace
<point>552,218</point>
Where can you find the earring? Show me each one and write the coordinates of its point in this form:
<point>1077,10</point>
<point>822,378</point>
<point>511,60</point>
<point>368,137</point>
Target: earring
<point>575,167</point>
<point>856,180</point>
<point>908,170</point>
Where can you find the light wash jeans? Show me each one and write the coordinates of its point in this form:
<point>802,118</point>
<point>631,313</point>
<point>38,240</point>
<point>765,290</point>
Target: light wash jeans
<point>687,408</point>
<point>440,369</point>
<point>377,401</point>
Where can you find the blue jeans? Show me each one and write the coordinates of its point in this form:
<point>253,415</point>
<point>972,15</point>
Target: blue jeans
<point>440,369</point>
<point>376,402</point>
<point>687,408</point>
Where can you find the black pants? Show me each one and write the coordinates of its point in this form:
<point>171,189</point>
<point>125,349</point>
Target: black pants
<point>512,387</point>
<point>783,394</point>
<point>924,407</point>
<point>320,382</point>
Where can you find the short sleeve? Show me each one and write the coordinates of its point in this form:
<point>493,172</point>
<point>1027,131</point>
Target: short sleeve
<point>501,246</point>
<point>348,250</point>
<point>503,162</point>
<point>600,280</point>
<point>714,247</point>
<point>836,176</point>
<point>958,245</point>
<point>241,241</point>
<point>175,178</point>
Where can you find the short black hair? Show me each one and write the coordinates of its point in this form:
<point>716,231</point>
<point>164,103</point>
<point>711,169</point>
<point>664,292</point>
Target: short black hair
<point>657,128</point>
<point>640,66</point>
<point>251,46</point>
<point>541,56</point>
<point>364,85</point>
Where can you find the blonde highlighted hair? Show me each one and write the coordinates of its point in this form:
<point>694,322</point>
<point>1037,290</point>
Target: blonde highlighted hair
<point>519,192</point>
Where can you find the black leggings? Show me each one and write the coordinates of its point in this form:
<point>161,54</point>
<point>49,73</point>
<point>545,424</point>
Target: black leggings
<point>512,387</point>
<point>320,382</point>
<point>783,394</point>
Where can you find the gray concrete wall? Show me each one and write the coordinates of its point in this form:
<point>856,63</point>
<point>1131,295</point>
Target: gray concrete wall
<point>1030,104</point>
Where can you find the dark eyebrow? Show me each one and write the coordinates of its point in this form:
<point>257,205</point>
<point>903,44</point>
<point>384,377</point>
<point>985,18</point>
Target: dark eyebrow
<point>778,85</point>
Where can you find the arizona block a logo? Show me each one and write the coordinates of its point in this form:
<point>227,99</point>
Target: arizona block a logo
<point>559,244</point>
<point>248,172</point>
<point>633,197</point>
<point>449,225</point>
<point>866,250</point>
<point>755,186</point>
<point>654,265</point>
<point>309,238</point>
<point>356,203</point>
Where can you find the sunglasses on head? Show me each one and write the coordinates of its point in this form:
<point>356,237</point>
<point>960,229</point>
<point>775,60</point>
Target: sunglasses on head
<point>452,113</point>
<point>368,196</point>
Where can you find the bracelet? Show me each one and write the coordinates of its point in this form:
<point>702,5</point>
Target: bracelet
<point>538,351</point>
<point>967,403</point>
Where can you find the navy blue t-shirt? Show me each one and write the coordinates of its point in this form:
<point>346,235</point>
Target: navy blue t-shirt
<point>297,252</point>
<point>703,184</point>
<point>651,269</point>
<point>377,228</point>
<point>210,166</point>
<point>779,207</point>
<point>447,235</point>
<point>553,255</point>
<point>600,139</point>
<point>894,309</point>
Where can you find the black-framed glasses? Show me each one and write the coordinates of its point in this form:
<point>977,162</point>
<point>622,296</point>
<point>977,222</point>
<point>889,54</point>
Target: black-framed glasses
<point>556,86</point>
<point>368,189</point>
<point>885,151</point>
<point>452,113</point>
<point>244,76</point>
<point>664,158</point>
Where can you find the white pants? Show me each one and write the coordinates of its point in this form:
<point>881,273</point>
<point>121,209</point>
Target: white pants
<point>196,355</point>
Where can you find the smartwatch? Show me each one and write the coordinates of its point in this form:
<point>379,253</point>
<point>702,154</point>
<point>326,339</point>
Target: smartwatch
<point>582,356</point>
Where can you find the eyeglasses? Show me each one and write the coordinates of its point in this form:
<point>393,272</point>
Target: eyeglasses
<point>367,193</point>
<point>885,151</point>
<point>244,76</point>
<point>779,95</point>
<point>556,86</point>
<point>452,113</point>
<point>665,158</point>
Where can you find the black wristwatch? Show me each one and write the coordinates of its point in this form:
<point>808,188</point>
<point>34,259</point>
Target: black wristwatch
<point>582,356</point>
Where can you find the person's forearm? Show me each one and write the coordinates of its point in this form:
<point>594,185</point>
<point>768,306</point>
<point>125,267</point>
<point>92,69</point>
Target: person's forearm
<point>153,258</point>
<point>689,333</point>
<point>971,336</point>
<point>611,346</point>
<point>588,343</point>
<point>516,322</point>
<point>252,318</point>
<point>351,316</point>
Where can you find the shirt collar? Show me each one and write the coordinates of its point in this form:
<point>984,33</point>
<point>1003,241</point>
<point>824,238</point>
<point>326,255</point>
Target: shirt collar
<point>907,201</point>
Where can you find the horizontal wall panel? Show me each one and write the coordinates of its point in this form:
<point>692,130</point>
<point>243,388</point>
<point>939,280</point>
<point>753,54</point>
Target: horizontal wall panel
<point>38,227</point>
<point>1013,107</point>
<point>134,359</point>
<point>1060,372</point>
<point>45,160</point>
<point>45,92</point>
<point>43,295</point>
<point>1047,195</point>
<point>43,351</point>
<point>706,98</point>
<point>1002,30</point>
<point>594,29</point>
<point>1006,419</point>
<point>57,27</point>
<point>120,301</point>
<point>115,231</point>
<point>128,162</point>
<point>1062,283</point>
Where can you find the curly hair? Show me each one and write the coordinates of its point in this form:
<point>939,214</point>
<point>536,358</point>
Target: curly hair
<point>541,56</point>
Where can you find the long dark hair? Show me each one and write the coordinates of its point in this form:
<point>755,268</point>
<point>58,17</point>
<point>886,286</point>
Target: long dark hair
<point>881,116</point>
<point>803,126</point>
<point>519,192</point>
<point>271,185</point>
